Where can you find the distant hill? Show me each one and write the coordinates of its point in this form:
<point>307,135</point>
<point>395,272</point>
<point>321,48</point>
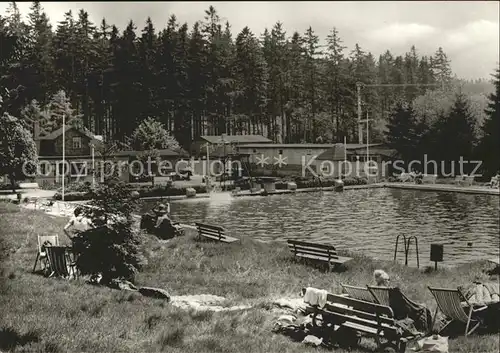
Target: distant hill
<point>476,87</point>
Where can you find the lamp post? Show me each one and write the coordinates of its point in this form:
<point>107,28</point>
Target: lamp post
<point>367,147</point>
<point>92,145</point>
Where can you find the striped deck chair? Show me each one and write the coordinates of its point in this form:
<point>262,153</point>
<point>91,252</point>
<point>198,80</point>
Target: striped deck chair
<point>60,261</point>
<point>449,301</point>
<point>43,241</point>
<point>359,293</point>
<point>380,294</point>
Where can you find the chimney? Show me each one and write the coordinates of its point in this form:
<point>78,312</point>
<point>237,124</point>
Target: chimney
<point>36,134</point>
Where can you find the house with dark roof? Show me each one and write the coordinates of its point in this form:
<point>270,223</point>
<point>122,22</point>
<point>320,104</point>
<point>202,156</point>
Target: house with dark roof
<point>296,158</point>
<point>81,155</point>
<point>216,144</point>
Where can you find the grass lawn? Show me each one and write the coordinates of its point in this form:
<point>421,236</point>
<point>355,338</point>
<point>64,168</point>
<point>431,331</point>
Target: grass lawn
<point>39,314</point>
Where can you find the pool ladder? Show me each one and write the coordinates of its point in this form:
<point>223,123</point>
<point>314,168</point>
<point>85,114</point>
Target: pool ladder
<point>407,243</point>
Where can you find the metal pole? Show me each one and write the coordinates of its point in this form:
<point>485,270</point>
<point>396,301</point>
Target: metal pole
<point>93,166</point>
<point>345,155</point>
<point>367,149</point>
<point>63,155</point>
<point>360,127</point>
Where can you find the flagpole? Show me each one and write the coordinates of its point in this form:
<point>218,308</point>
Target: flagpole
<point>63,155</point>
<point>345,155</point>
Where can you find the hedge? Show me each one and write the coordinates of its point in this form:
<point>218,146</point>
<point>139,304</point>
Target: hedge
<point>82,192</point>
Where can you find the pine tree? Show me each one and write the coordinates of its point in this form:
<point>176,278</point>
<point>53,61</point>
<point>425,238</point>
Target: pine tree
<point>402,131</point>
<point>489,145</point>
<point>441,67</point>
<point>59,107</point>
<point>197,74</point>
<point>454,134</point>
<point>336,78</point>
<point>311,86</point>
<point>251,76</point>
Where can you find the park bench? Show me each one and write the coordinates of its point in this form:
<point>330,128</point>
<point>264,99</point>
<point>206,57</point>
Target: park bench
<point>213,233</point>
<point>314,251</point>
<point>368,319</point>
<point>429,179</point>
<point>28,186</point>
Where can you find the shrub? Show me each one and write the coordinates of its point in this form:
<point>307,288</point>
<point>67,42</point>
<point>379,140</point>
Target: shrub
<point>112,248</point>
<point>73,196</point>
<point>85,186</point>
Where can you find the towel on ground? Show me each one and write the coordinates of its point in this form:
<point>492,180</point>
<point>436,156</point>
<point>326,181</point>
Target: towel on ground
<point>314,296</point>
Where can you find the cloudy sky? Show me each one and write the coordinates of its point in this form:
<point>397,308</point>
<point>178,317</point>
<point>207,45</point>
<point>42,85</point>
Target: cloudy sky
<point>468,31</point>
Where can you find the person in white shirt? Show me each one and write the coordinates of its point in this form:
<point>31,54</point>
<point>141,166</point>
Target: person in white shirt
<point>77,224</point>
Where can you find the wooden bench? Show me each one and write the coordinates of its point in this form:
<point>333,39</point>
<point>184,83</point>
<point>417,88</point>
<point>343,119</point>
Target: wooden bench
<point>29,186</point>
<point>369,319</point>
<point>314,251</point>
<point>213,233</point>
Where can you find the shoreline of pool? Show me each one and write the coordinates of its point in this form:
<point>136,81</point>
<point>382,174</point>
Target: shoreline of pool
<point>403,186</point>
<point>444,187</point>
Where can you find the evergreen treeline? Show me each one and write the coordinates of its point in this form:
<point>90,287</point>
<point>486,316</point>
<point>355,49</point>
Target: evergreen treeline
<point>453,137</point>
<point>204,79</point>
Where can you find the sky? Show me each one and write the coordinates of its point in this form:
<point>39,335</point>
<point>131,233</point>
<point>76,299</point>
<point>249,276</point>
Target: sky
<point>468,31</point>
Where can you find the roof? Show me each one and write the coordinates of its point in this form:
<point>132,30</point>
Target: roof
<point>164,152</point>
<point>336,153</point>
<point>56,133</point>
<point>236,139</point>
<point>350,146</point>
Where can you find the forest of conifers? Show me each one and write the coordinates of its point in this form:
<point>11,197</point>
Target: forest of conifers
<point>205,79</point>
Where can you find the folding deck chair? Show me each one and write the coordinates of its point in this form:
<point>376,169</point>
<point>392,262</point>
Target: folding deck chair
<point>61,264</point>
<point>449,301</point>
<point>359,293</point>
<point>380,294</point>
<point>43,241</point>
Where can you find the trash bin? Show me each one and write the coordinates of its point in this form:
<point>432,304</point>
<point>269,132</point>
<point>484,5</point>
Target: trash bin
<point>338,185</point>
<point>190,192</point>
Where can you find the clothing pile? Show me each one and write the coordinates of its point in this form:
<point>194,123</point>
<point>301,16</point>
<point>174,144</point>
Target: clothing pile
<point>315,297</point>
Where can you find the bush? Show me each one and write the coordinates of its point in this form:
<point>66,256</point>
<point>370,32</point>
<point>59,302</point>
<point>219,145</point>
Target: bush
<point>73,196</point>
<point>85,186</point>
<point>112,248</point>
<point>355,181</point>
<point>8,186</point>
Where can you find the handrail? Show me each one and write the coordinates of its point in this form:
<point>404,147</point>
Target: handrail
<point>416,248</point>
<point>407,243</point>
<point>396,247</point>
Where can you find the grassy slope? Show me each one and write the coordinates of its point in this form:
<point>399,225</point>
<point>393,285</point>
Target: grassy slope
<point>53,315</point>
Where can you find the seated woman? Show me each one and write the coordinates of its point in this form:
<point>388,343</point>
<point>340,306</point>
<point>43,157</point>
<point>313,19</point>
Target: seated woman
<point>165,227</point>
<point>411,316</point>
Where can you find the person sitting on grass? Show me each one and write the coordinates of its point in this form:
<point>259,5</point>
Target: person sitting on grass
<point>77,224</point>
<point>164,223</point>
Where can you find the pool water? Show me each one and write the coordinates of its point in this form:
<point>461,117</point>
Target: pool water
<point>366,221</point>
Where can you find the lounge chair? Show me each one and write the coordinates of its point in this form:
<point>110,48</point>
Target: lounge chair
<point>61,264</point>
<point>493,182</point>
<point>404,177</point>
<point>359,293</point>
<point>43,241</point>
<point>449,301</point>
<point>380,294</point>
